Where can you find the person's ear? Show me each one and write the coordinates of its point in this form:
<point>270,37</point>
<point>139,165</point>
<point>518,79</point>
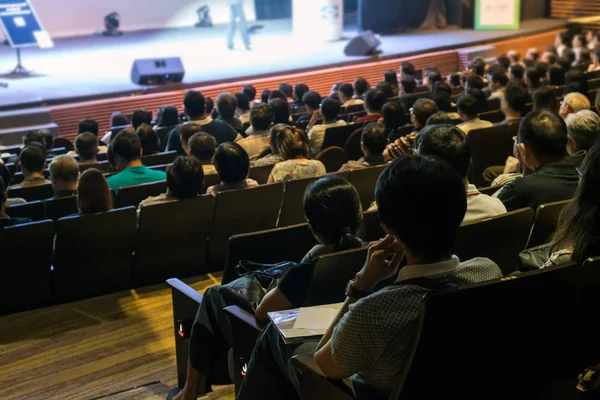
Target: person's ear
<point>390,232</point>
<point>572,146</point>
<point>269,140</point>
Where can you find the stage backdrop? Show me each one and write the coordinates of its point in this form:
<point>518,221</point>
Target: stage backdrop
<point>63,18</point>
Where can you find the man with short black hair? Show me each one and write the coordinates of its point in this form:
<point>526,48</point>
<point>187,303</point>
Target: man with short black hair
<point>421,203</point>
<point>261,118</point>
<point>250,92</point>
<point>408,83</point>
<point>360,85</point>
<point>226,107</point>
<point>516,72</point>
<point>513,103</point>
<point>33,163</point>
<point>448,143</point>
<point>373,141</point>
<point>556,75</point>
<point>374,101</point>
<point>127,151</point>
<point>187,131</point>
<point>202,147</point>
<point>140,117</point>
<point>64,173</point>
<point>346,96</point>
<point>299,91</point>
<point>281,111</point>
<point>407,68</point>
<point>86,147</point>
<point>468,109</point>
<point>312,102</point>
<point>91,125</point>
<point>498,81</point>
<point>541,145</point>
<point>195,108</point>
<point>477,66</point>
<point>243,108</point>
<point>5,219</point>
<point>330,111</point>
<point>583,130</point>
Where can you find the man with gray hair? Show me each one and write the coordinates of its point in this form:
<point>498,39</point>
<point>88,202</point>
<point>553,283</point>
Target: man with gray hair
<point>64,173</point>
<point>583,129</point>
<point>572,103</point>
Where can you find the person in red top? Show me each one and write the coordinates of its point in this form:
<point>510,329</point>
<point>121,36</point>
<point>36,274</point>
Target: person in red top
<point>374,102</point>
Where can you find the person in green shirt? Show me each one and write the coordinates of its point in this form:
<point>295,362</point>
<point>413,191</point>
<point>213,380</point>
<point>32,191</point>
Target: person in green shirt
<point>127,150</point>
<point>5,220</point>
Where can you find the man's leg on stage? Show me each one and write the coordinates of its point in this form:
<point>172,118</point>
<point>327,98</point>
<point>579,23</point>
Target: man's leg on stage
<point>232,24</point>
<point>243,26</point>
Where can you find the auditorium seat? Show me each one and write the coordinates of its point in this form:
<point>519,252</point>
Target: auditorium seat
<point>261,174</point>
<point>102,166</point>
<point>160,158</point>
<point>364,180</point>
<point>500,238</point>
<point>33,210</point>
<point>18,177</point>
<point>490,146</point>
<point>94,254</point>
<point>338,135</point>
<point>26,254</point>
<point>241,211</point>
<point>371,230</point>
<point>32,193</point>
<point>211,180</point>
<point>333,158</point>
<point>59,208</point>
<point>59,142</point>
<point>134,195</point>
<point>544,224</point>
<point>292,207</point>
<point>492,115</point>
<point>490,190</point>
<point>353,145</point>
<point>290,243</point>
<point>172,240</point>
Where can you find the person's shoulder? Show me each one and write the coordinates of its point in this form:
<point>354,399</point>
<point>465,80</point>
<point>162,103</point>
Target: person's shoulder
<point>480,269</point>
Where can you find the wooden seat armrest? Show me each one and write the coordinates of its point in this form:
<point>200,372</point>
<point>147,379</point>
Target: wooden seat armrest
<point>245,317</point>
<point>314,384</point>
<point>181,287</point>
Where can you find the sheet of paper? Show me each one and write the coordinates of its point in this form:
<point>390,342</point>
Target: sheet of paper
<point>43,39</point>
<point>315,318</point>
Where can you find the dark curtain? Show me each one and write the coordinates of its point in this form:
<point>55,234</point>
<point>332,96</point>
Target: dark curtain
<point>273,9</point>
<point>384,16</point>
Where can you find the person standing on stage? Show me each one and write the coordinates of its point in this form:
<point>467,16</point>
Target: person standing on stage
<point>237,12</point>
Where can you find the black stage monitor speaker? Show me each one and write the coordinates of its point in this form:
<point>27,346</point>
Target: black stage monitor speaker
<point>364,44</point>
<point>156,71</point>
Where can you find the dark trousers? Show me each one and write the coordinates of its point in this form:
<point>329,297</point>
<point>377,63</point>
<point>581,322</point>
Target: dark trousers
<point>270,374</point>
<point>237,12</point>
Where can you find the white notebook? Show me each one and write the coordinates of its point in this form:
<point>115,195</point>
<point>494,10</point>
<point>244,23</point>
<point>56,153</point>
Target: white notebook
<point>301,323</point>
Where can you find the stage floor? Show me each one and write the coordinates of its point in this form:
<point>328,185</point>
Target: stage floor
<point>94,66</point>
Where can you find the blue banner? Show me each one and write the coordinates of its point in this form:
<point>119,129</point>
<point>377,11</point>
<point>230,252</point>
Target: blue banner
<point>20,24</point>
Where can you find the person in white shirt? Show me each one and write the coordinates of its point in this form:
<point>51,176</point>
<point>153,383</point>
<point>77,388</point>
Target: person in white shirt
<point>345,94</point>
<point>498,80</point>
<point>261,118</point>
<point>448,143</point>
<point>330,110</point>
<point>468,109</point>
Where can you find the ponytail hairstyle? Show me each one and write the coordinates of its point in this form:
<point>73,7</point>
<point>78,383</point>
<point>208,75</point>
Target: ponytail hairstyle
<point>290,141</point>
<point>332,208</point>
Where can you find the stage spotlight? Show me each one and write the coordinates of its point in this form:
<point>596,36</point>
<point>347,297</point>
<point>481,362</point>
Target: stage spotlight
<point>111,25</point>
<point>204,19</point>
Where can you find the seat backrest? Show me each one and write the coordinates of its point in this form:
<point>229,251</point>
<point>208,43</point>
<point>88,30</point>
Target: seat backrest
<point>172,240</point>
<point>18,177</point>
<point>371,229</point>
<point>364,180</point>
<point>290,243</point>
<point>163,135</point>
<point>102,166</point>
<point>94,254</point>
<point>352,145</point>
<point>160,158</point>
<point>495,340</point>
<point>58,142</point>
<point>261,174</point>
<point>134,195</point>
<point>544,224</point>
<point>241,211</point>
<point>211,180</point>
<point>333,158</point>
<point>292,207</point>
<point>493,116</point>
<point>490,190</point>
<point>489,146</point>
<point>59,208</point>
<point>33,210</point>
<point>500,238</point>
<point>352,109</point>
<point>26,252</point>
<point>32,193</point>
<point>337,135</point>
<point>331,275</point>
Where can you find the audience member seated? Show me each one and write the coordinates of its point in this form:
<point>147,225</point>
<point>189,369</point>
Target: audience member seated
<point>243,108</point>
<point>64,173</point>
<point>334,231</point>
<point>294,148</point>
<point>281,111</point>
<point>409,84</point>
<point>468,109</point>
<point>148,139</point>
<point>274,157</point>
<point>90,125</point>
<point>394,118</point>
<point>6,220</point>
<point>372,334</point>
<point>577,237</point>
<point>572,103</point>
<point>432,76</point>
<point>226,108</point>
<point>48,139</point>
<point>562,42</point>
<point>261,118</point>
<point>299,91</point>
<point>167,117</point>
<point>498,81</point>
<point>542,143</point>
<point>545,99</point>
<point>250,92</point>
<point>33,163</point>
<point>583,129</point>
<point>264,97</point>
<point>185,180</point>
<point>194,106</point>
<point>361,86</point>
<point>556,75</point>
<point>513,103</point>
<point>346,96</point>
<point>439,118</point>
<point>117,119</point>
<point>595,65</point>
<point>373,141</point>
<point>86,147</point>
<point>422,110</point>
<point>126,149</point>
<point>312,103</point>
<point>579,43</point>
<point>516,73</point>
<point>391,78</point>
<point>593,39</point>
<point>140,117</point>
<point>455,80</point>
<point>374,101</point>
<point>232,164</point>
<point>514,56</point>
<point>443,101</point>
<point>330,111</point>
<point>93,194</point>
<point>201,147</point>
<point>448,143</point>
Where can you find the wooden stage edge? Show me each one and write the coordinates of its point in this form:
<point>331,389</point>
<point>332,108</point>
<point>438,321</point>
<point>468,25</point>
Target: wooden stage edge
<point>321,80</point>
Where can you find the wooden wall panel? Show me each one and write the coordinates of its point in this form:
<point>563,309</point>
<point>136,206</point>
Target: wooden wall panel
<point>577,8</point>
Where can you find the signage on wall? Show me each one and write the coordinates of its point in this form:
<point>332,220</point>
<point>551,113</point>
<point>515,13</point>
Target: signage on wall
<point>21,25</point>
<point>497,14</point>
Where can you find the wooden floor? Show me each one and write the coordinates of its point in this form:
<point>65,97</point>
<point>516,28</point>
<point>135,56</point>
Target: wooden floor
<point>118,346</point>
